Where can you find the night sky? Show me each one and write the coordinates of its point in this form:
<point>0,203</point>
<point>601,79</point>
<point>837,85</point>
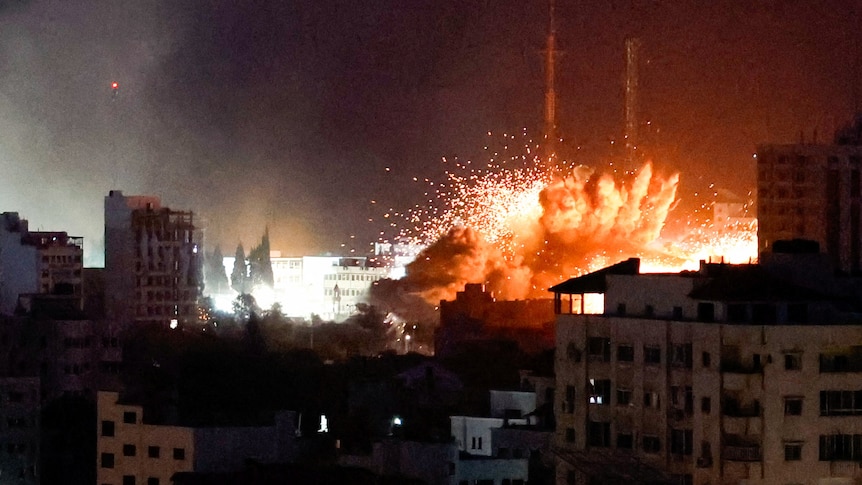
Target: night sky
<point>288,113</point>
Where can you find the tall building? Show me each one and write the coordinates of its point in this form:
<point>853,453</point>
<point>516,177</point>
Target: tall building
<point>813,191</point>
<point>38,266</point>
<point>152,268</point>
<point>729,374</point>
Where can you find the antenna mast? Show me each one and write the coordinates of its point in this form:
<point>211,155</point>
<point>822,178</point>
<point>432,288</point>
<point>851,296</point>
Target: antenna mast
<point>551,53</point>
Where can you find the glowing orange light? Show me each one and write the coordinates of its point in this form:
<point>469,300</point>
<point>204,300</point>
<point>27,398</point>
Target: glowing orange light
<point>115,85</point>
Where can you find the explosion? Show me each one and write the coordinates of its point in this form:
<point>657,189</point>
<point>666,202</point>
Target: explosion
<point>521,229</point>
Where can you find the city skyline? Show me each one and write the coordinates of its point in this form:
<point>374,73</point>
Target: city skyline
<point>299,115</point>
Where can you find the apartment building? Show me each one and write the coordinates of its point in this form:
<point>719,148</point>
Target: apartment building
<point>728,375</point>
<point>38,266</point>
<point>20,409</point>
<point>152,268</point>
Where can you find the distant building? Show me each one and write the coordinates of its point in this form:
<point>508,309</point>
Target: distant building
<point>813,192</point>
<point>327,286</point>
<point>44,266</point>
<point>475,315</point>
<point>129,450</point>
<point>152,267</point>
<point>730,374</point>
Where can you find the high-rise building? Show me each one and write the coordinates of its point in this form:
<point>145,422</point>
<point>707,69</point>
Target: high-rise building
<point>152,268</point>
<point>813,191</point>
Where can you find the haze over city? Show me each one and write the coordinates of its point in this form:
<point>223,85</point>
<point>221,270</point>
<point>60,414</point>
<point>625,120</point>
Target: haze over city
<point>298,115</point>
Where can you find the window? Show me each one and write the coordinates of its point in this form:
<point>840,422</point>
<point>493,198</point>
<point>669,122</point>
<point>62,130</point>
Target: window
<point>705,405</point>
<point>680,441</point>
<point>624,441</point>
<point>793,451</point>
<point>130,417</point>
<point>153,451</point>
<point>706,359</point>
<point>569,403</point>
<point>107,460</point>
<point>129,450</point>
<point>599,433</point>
<point>841,447</point>
<point>624,397</point>
<point>840,403</point>
<point>651,444</point>
<point>677,313</point>
<point>107,428</point>
<point>651,400</point>
<point>793,361</point>
<point>652,355</point>
<point>599,348</point>
<point>680,355</point>
<point>179,453</point>
<point>152,481</point>
<point>682,398</point>
<point>128,480</point>
<point>793,406</point>
<point>649,311</point>
<point>570,435</point>
<point>600,391</point>
<point>705,312</point>
<point>625,353</point>
<point>621,309</point>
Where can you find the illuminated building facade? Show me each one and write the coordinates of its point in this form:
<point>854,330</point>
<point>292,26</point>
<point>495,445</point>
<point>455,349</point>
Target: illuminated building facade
<point>809,191</point>
<point>327,286</point>
<point>44,266</point>
<point>152,268</point>
<point>729,374</point>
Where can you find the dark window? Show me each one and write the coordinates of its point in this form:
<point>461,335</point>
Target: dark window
<point>624,441</point>
<point>573,353</point>
<point>570,435</point>
<point>706,359</point>
<point>677,313</point>
<point>130,417</point>
<point>705,312</point>
<point>599,433</point>
<point>651,400</point>
<point>107,428</point>
<point>179,453</point>
<point>625,353</point>
<point>652,355</point>
<point>792,361</point>
<point>129,450</point>
<point>152,481</point>
<point>651,444</point>
<point>680,441</point>
<point>621,309</point>
<point>841,403</point>
<point>705,405</point>
<point>680,355</point>
<point>624,397</point>
<point>600,391</point>
<point>153,451</point>
<point>841,447</point>
<point>569,403</point>
<point>649,311</point>
<point>793,406</point>
<point>599,348</point>
<point>128,480</point>
<point>792,451</point>
<point>107,460</point>
<point>737,313</point>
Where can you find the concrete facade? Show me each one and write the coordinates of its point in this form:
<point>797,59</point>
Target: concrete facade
<point>812,192</point>
<point>152,267</point>
<point>697,378</point>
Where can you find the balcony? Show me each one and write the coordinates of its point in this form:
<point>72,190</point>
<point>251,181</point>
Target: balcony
<point>736,409</point>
